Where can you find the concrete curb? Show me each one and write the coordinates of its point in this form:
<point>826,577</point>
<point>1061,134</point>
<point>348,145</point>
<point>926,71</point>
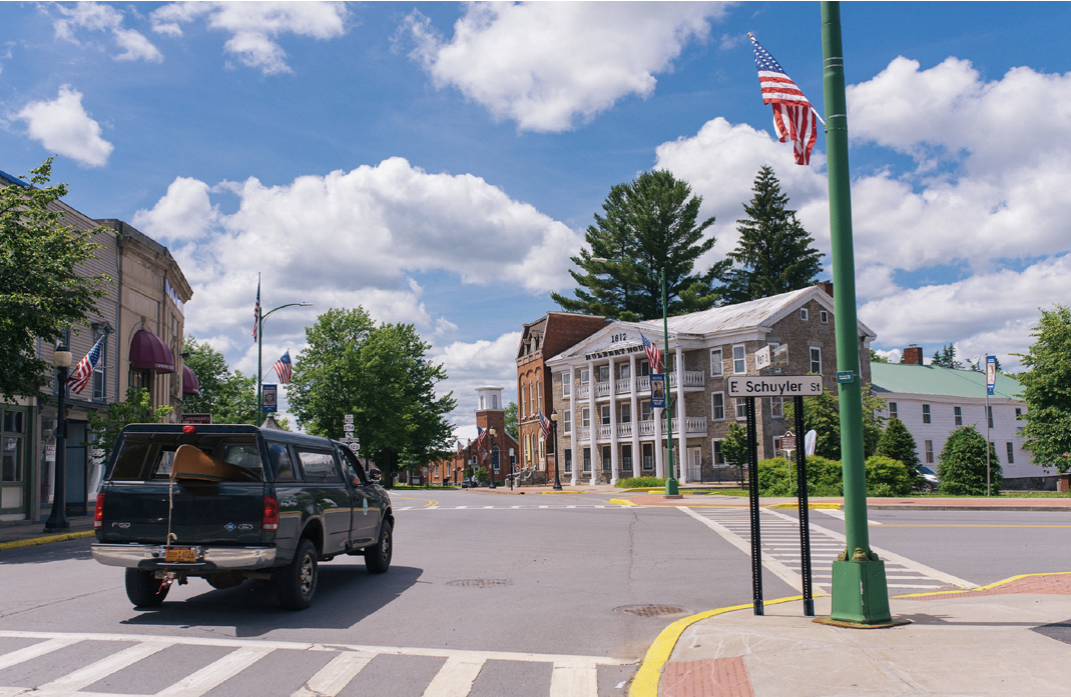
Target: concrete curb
<point>33,541</point>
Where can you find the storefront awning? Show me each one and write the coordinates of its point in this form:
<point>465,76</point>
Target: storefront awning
<point>149,352</point>
<point>189,382</point>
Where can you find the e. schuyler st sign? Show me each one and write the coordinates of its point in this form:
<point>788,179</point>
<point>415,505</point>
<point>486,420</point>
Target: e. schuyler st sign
<point>774,386</point>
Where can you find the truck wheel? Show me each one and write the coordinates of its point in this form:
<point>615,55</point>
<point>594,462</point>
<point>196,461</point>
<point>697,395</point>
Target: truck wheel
<point>295,583</point>
<point>377,558</point>
<point>143,589</point>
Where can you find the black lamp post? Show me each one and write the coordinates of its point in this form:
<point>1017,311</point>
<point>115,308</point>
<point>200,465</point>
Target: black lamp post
<point>494,456</point>
<point>468,463</point>
<point>554,439</point>
<point>57,518</point>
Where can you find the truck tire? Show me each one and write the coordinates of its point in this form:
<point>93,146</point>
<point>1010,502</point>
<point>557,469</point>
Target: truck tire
<point>377,557</point>
<point>295,583</point>
<point>144,590</point>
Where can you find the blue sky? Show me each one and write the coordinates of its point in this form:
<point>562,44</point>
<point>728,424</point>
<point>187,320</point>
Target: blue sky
<point>437,163</point>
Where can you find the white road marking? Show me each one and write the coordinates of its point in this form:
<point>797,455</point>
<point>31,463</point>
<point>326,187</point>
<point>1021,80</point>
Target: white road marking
<point>569,680</point>
<point>215,674</point>
<point>31,652</point>
<point>839,514</point>
<point>84,677</point>
<point>455,678</point>
<point>333,678</point>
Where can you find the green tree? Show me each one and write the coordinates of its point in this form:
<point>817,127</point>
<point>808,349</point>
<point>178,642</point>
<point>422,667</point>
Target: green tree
<point>945,357</point>
<point>774,253</point>
<point>734,445</point>
<point>822,414</point>
<point>886,476</point>
<point>1046,381</point>
<point>106,424</point>
<point>961,465</point>
<point>511,420</point>
<point>41,292</point>
<point>875,358</point>
<point>231,398</point>
<point>654,221</point>
<point>896,442</point>
<point>382,376</point>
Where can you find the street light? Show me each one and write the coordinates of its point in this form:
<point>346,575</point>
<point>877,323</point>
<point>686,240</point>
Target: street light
<point>57,518</point>
<point>494,454</point>
<point>469,464</point>
<point>671,480</point>
<point>260,351</point>
<point>554,438</point>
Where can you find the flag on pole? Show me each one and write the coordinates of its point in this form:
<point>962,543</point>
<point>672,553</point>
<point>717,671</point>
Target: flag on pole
<point>480,434</point>
<point>484,458</point>
<point>460,447</point>
<point>654,356</point>
<point>84,370</point>
<point>789,104</point>
<point>283,367</point>
<point>256,313</point>
<point>544,423</point>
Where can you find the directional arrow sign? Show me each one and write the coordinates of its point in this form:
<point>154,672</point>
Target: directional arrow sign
<point>775,386</point>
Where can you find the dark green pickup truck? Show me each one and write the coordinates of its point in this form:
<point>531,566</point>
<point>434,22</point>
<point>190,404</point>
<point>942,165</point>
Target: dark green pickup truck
<point>231,502</point>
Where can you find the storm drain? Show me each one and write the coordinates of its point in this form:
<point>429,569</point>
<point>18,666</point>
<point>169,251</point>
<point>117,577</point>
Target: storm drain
<point>480,583</point>
<point>652,610</point>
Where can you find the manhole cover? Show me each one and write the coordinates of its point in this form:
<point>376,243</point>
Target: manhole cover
<point>481,583</point>
<point>652,610</point>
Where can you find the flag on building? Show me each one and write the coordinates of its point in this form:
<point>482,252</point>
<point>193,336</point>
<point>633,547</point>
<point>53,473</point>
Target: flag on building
<point>283,368</point>
<point>460,447</point>
<point>480,434</point>
<point>484,458</point>
<point>84,370</point>
<point>256,313</point>
<point>794,117</point>
<point>654,356</point>
<point>544,423</point>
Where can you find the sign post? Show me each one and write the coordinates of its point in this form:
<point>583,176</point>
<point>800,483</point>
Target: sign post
<point>990,386</point>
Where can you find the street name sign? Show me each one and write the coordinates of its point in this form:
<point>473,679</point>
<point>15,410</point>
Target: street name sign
<point>774,386</point>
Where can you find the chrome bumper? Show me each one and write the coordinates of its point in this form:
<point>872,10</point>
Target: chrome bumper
<point>135,556</point>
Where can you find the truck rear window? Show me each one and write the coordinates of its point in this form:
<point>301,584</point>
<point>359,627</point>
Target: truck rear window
<point>146,456</point>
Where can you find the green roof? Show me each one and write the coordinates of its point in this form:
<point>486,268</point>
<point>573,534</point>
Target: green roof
<point>931,379</point>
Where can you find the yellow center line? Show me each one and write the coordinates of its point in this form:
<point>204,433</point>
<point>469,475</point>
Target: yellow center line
<point>431,502</point>
<point>942,525</point>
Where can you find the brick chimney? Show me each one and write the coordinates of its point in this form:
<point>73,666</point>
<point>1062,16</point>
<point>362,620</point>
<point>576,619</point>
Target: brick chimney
<point>913,355</point>
<point>827,287</point>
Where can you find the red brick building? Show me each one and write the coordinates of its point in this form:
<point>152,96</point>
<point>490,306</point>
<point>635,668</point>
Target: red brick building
<point>494,453</point>
<point>540,341</point>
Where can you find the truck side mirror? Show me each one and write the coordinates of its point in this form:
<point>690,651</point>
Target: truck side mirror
<point>375,473</point>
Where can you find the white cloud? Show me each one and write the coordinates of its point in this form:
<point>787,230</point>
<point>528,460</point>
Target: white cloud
<point>99,17</point>
<point>255,27</point>
<point>184,213</point>
<point>63,126</point>
<point>546,65</point>
<point>477,364</point>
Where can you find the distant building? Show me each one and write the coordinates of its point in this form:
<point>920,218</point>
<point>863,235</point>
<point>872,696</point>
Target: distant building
<point>496,454</point>
<point>932,402</point>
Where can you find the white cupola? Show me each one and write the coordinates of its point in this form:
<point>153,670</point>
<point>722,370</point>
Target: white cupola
<point>489,399</point>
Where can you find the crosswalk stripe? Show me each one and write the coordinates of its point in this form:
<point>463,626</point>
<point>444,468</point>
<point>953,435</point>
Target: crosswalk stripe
<point>455,678</point>
<point>83,677</point>
<point>216,673</point>
<point>573,681</point>
<point>32,652</point>
<point>333,677</point>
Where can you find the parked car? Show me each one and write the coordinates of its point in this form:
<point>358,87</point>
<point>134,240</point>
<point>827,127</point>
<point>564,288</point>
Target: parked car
<point>231,502</point>
<point>930,477</point>
<point>472,483</point>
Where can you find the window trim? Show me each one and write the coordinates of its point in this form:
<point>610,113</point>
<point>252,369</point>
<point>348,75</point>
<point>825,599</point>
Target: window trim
<point>823,316</point>
<point>804,315</point>
<point>810,356</point>
<point>743,357</point>
<point>1011,453</point>
<point>567,385</point>
<point>567,421</point>
<point>585,417</point>
<point>717,366</point>
<point>957,415</point>
<point>714,407</point>
<point>927,417</point>
<point>740,404</point>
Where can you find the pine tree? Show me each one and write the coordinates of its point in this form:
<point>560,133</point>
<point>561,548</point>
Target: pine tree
<point>961,467</point>
<point>774,252</point>
<point>897,443</point>
<point>654,222</point>
<point>946,357</point>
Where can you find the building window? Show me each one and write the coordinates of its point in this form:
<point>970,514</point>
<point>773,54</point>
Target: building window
<point>100,389</point>
<point>567,384</point>
<point>892,411</point>
<point>816,360</point>
<point>585,417</point>
<point>1018,413</point>
<point>626,457</point>
<point>741,407</point>
<point>989,411</point>
<point>624,372</point>
<point>585,377</point>
<point>644,367</point>
<point>719,457</point>
<point>929,452</point>
<point>823,317</point>
<point>606,458</point>
<point>481,402</point>
<point>494,401</point>
<point>1011,453</point>
<point>587,459</point>
<point>648,456</point>
<point>568,461</point>
<point>958,412</point>
<point>646,413</point>
<point>715,363</point>
<point>925,413</point>
<point>803,314</point>
<point>604,414</point>
<point>626,413</point>
<point>777,407</point>
<point>602,373</point>
<point>496,459</point>
<point>567,421</point>
<point>739,364</point>
<point>717,406</point>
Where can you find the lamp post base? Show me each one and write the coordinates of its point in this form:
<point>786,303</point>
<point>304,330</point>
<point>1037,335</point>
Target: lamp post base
<point>860,594</point>
<point>671,487</point>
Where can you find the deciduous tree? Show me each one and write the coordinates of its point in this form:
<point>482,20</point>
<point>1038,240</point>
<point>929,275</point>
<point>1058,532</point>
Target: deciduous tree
<point>822,414</point>
<point>1046,381</point>
<point>231,398</point>
<point>105,425</point>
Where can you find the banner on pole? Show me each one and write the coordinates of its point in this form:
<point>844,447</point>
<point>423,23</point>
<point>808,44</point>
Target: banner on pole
<point>990,374</point>
<point>658,390</point>
<point>271,398</point>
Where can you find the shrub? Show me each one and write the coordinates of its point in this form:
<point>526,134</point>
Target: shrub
<point>640,482</point>
<point>823,477</point>
<point>888,477</point>
<point>961,467</point>
<point>896,442</point>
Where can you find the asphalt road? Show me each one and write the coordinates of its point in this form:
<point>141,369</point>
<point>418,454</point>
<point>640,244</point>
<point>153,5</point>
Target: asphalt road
<point>478,582</point>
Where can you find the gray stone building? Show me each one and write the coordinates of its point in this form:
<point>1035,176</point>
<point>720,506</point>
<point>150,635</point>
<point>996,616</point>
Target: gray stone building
<point>601,388</point>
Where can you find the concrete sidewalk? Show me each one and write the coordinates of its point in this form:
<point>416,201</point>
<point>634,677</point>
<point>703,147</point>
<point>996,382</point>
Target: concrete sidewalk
<point>877,504</point>
<point>1011,638</point>
<point>25,533</point>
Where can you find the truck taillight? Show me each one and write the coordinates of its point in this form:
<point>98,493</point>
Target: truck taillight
<point>271,514</point>
<point>98,514</point>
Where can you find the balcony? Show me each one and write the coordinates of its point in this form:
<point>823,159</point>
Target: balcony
<point>602,389</point>
<point>692,378</point>
<point>694,426</point>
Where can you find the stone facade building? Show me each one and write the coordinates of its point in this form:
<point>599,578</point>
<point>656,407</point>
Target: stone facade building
<point>546,337</point>
<point>601,389</point>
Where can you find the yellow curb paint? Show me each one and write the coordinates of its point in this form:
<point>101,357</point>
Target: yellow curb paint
<point>622,502</point>
<point>430,502</point>
<point>835,506</point>
<point>563,492</point>
<point>984,588</point>
<point>645,684</point>
<point>45,540</point>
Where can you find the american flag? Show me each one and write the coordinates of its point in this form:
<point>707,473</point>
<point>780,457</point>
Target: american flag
<point>480,435</point>
<point>789,104</point>
<point>654,356</point>
<point>484,458</point>
<point>544,423</point>
<point>283,367</point>
<point>256,313</point>
<point>84,370</point>
<point>460,447</point>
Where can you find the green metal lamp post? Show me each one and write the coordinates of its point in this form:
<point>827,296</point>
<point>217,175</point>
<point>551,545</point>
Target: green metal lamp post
<point>671,479</point>
<point>260,354</point>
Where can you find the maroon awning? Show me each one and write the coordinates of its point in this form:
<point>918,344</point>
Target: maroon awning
<point>149,352</point>
<point>189,382</point>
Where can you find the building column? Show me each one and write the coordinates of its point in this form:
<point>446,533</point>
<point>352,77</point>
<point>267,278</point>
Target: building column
<point>572,426</point>
<point>635,413</point>
<point>614,461</point>
<point>682,438</point>
<point>595,421</point>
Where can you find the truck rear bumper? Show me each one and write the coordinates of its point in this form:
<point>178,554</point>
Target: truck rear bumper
<point>152,557</point>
